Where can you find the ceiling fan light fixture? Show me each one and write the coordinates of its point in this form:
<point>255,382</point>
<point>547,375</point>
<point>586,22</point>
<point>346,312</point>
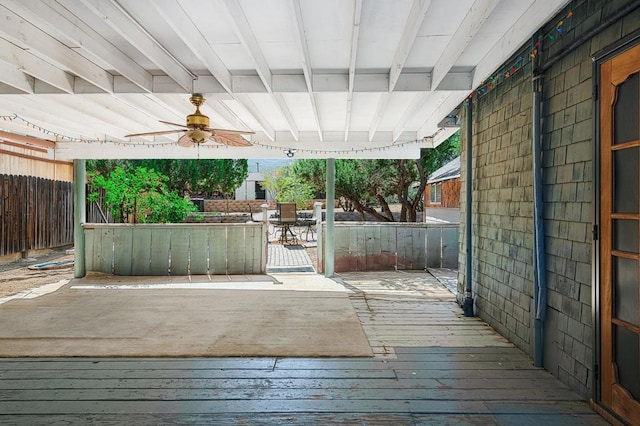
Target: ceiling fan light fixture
<point>198,136</point>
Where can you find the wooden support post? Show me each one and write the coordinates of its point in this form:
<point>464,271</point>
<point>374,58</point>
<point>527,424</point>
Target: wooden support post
<point>317,208</point>
<point>79,216</point>
<point>329,254</point>
<point>265,236</point>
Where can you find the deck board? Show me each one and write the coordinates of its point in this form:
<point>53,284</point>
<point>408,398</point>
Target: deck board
<point>432,366</point>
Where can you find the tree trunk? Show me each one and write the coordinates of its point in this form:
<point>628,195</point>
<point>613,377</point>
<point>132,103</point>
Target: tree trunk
<point>386,209</point>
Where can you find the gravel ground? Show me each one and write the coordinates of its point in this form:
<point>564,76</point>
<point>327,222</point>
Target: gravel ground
<point>16,277</point>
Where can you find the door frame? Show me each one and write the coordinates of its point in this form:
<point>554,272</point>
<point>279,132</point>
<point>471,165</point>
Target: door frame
<point>599,58</point>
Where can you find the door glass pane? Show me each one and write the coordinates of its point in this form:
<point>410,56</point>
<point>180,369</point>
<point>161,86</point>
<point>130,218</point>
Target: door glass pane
<point>625,235</point>
<point>626,180</point>
<point>626,111</point>
<point>627,359</point>
<point>625,278</point>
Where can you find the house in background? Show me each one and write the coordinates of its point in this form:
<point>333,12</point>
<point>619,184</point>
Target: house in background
<point>443,186</point>
<point>251,189</point>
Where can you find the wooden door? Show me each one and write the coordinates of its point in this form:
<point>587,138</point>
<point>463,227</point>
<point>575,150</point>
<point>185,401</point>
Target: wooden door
<point>620,233</point>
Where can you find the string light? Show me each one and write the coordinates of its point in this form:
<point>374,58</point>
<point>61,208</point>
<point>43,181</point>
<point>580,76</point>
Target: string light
<point>60,137</point>
<point>508,72</point>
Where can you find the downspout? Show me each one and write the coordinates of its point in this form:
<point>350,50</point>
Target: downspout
<point>467,306</point>
<point>540,281</point>
<point>79,216</point>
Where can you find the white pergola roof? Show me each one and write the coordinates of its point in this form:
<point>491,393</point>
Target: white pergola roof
<point>328,78</point>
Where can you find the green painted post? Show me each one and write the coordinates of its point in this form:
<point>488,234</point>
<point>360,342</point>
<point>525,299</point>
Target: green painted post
<point>330,239</point>
<point>265,238</point>
<point>79,216</point>
<point>317,207</point>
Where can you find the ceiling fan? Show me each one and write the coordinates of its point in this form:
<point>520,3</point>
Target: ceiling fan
<point>197,130</point>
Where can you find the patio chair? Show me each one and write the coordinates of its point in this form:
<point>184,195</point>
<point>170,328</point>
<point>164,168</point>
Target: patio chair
<point>287,218</point>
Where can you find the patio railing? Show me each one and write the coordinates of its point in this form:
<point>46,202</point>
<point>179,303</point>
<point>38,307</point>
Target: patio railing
<point>366,246</point>
<point>176,249</point>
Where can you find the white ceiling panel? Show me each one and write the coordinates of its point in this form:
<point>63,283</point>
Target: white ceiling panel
<point>299,73</point>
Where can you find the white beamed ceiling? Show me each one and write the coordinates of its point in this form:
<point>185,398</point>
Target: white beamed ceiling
<point>328,78</point>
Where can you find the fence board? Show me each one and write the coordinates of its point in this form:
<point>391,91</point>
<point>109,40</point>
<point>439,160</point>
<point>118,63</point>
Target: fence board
<point>180,251</point>
<point>373,249</point>
<point>450,248</point>
<point>236,253</point>
<point>434,248</point>
<point>140,251</point>
<point>160,245</point>
<point>199,252</point>
<point>387,246</point>
<point>255,253</point>
<point>36,213</point>
<point>106,251</point>
<point>217,250</point>
<point>123,239</point>
<point>89,236</point>
<point>146,249</point>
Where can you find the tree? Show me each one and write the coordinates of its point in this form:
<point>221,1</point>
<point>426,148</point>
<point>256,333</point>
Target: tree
<point>366,184</point>
<point>401,177</point>
<point>289,186</point>
<point>186,176</point>
<point>141,195</point>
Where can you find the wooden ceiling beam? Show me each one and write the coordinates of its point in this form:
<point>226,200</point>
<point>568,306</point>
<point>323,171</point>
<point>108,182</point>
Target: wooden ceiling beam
<point>56,18</point>
<point>15,78</point>
<point>520,32</point>
<point>305,61</point>
<point>111,13</point>
<point>411,27</point>
<point>27,140</point>
<point>243,30</point>
<point>383,102</point>
<point>355,31</point>
<point>469,27</point>
<point>35,67</point>
<point>179,21</point>
<point>27,36</point>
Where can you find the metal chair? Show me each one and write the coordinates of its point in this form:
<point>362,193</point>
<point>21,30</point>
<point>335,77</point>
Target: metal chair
<point>287,218</point>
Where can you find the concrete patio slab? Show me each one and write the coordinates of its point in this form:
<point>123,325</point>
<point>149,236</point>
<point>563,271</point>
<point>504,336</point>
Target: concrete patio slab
<point>120,316</point>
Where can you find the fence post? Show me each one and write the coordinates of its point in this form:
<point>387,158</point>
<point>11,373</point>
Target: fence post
<point>79,216</point>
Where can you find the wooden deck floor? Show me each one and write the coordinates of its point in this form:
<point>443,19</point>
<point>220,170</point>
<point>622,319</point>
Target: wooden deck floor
<point>432,367</point>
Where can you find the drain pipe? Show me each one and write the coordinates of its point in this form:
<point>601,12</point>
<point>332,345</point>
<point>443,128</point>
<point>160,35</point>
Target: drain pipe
<point>540,282</point>
<point>467,306</point>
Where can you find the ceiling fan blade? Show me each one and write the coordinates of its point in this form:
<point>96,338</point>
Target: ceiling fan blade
<point>186,142</point>
<point>240,132</point>
<point>173,124</point>
<point>162,132</point>
<point>229,139</point>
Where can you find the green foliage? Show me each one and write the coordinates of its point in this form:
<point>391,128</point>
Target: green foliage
<point>365,184</point>
<point>434,158</point>
<point>141,195</point>
<point>185,176</point>
<point>288,186</point>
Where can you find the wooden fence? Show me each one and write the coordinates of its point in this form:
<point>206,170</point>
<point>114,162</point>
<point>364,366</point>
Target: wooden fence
<point>35,213</point>
<point>365,246</point>
<point>176,249</point>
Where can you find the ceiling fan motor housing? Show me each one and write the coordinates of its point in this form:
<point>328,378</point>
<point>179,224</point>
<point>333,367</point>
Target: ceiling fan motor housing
<point>197,120</point>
